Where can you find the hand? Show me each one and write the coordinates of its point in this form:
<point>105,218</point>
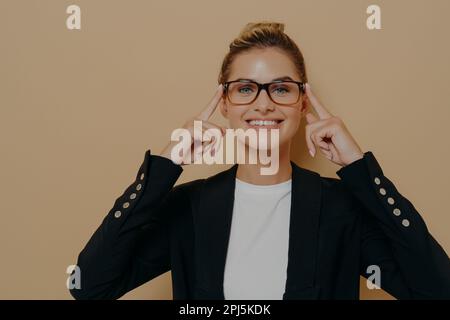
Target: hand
<point>206,146</point>
<point>329,134</point>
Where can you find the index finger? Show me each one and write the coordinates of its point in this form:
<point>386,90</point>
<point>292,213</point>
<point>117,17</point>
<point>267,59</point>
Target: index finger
<point>212,105</point>
<point>320,109</point>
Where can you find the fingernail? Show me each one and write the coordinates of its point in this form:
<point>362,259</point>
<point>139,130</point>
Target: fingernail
<point>311,153</point>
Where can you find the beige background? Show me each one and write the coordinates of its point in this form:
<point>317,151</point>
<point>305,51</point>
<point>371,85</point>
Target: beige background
<point>79,109</point>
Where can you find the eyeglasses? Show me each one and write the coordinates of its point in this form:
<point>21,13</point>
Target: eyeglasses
<point>282,92</point>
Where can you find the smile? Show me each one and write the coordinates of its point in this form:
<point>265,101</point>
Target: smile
<point>261,123</point>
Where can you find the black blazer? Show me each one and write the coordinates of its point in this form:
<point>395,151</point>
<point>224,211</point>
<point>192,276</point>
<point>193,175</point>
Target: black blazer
<point>338,227</point>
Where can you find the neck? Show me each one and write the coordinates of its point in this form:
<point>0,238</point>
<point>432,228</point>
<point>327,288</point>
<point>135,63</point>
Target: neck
<point>251,173</point>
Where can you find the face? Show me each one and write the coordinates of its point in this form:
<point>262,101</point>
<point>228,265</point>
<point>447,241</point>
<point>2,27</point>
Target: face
<point>262,66</point>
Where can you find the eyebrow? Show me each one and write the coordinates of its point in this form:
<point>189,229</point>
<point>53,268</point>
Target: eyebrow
<point>276,79</point>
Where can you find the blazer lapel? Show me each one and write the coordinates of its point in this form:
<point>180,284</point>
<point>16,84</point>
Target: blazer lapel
<point>212,223</point>
<point>303,234</point>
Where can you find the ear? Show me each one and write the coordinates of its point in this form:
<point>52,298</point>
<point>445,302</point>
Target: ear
<point>223,107</point>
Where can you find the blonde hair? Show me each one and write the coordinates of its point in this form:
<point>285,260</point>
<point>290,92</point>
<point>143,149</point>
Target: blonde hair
<point>262,35</point>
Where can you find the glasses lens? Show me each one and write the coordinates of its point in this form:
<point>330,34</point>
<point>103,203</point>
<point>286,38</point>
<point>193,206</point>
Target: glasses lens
<point>284,92</point>
<point>242,92</point>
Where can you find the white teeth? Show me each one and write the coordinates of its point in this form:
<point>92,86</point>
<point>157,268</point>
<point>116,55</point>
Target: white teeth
<point>263,122</point>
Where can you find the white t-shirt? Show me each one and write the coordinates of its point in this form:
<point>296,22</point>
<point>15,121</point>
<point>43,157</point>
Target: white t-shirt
<point>256,262</point>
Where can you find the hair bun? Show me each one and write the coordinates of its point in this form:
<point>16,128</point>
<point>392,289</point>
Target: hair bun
<point>263,26</point>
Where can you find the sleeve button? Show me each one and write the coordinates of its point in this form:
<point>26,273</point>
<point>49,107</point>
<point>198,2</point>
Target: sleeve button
<point>126,205</point>
<point>383,191</point>
<point>142,176</point>
<point>117,214</point>
<point>132,196</point>
<point>405,222</point>
<point>390,200</point>
<point>138,187</point>
<point>397,212</point>
<point>377,180</point>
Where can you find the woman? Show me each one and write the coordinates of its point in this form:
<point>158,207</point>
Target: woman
<point>243,235</point>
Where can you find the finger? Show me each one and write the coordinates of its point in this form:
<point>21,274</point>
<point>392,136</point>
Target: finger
<point>212,140</point>
<point>309,130</point>
<point>210,125</point>
<point>334,151</point>
<point>309,142</point>
<point>212,105</point>
<point>205,125</point>
<point>320,109</point>
<point>310,118</point>
<point>206,146</point>
<point>317,133</point>
<point>202,147</point>
<point>328,154</point>
<point>323,145</point>
<point>317,136</point>
<point>218,145</point>
<point>319,142</point>
<point>211,130</point>
<point>210,147</point>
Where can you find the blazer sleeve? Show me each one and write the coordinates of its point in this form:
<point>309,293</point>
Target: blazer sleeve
<point>131,246</point>
<point>394,236</point>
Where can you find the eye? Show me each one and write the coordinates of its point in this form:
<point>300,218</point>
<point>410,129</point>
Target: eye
<point>245,90</point>
<point>281,90</point>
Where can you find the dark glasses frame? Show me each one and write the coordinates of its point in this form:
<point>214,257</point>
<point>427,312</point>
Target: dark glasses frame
<point>264,86</point>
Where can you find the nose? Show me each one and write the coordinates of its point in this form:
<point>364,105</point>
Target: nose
<point>263,103</point>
